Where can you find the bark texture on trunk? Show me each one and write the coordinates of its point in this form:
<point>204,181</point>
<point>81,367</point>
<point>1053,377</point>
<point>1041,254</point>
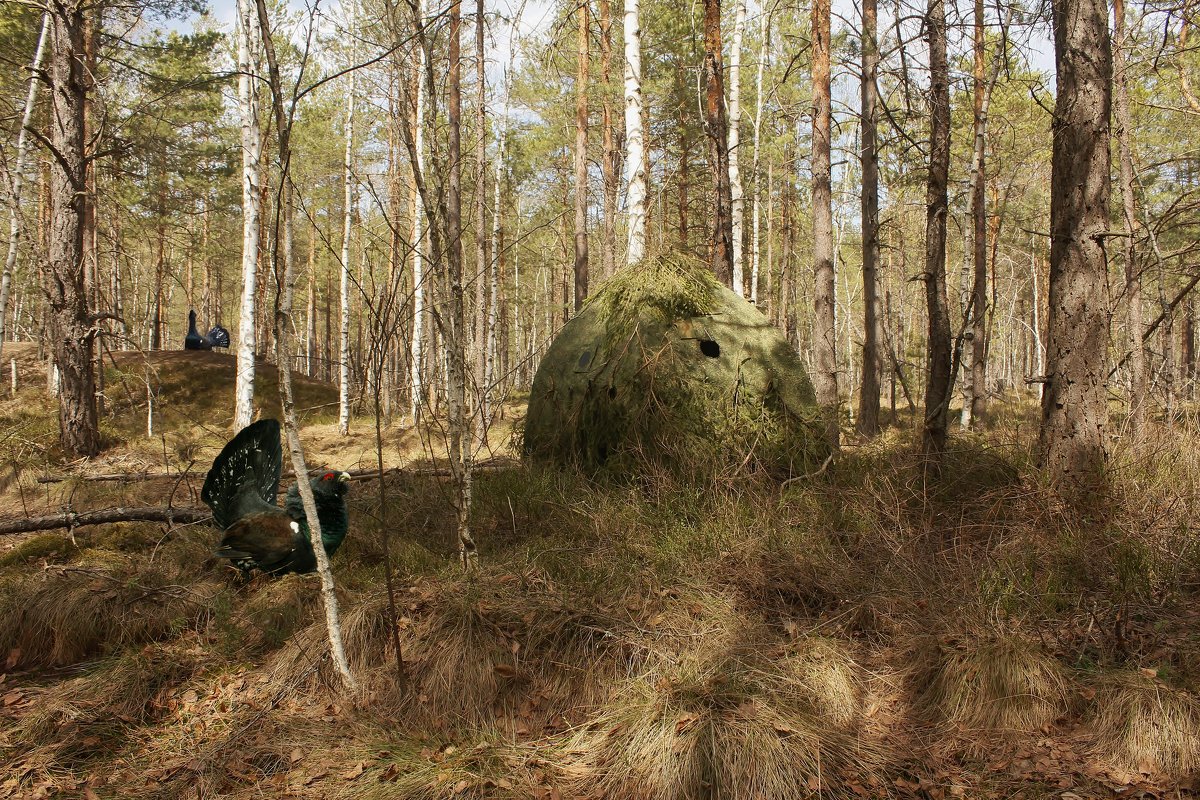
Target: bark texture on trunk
<point>17,174</point>
<point>716,127</point>
<point>736,195</point>
<point>610,166</point>
<point>825,378</point>
<point>939,381</point>
<point>281,257</point>
<point>71,328</point>
<point>755,243</point>
<point>416,355</point>
<point>1133,278</point>
<point>483,298</point>
<point>635,192</point>
<point>872,361</point>
<point>581,166</point>
<point>453,314</point>
<point>1073,406</point>
<point>248,39</point>
<point>979,298</point>
<point>344,272</point>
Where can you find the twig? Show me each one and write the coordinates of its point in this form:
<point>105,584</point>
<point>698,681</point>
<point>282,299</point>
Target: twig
<point>824,466</point>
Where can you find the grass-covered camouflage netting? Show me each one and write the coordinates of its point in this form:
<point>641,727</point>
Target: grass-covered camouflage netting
<point>664,365</point>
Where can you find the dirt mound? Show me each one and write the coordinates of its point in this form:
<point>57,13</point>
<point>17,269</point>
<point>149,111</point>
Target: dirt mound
<point>197,387</point>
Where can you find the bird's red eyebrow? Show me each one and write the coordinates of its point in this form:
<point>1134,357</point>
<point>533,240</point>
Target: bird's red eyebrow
<point>328,476</point>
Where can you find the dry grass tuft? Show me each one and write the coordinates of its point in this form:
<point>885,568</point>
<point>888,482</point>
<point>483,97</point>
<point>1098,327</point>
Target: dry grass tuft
<point>499,649</point>
<point>101,604</point>
<point>828,675</point>
<point>492,768</point>
<point>989,685</point>
<point>1145,727</point>
<point>277,608</point>
<point>726,721</point>
<point>88,715</point>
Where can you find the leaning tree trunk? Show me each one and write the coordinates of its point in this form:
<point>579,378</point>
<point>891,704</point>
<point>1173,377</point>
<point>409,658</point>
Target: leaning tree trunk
<point>635,192</point>
<point>72,328</point>
<point>1074,404</point>
<point>872,361</point>
<point>718,145</point>
<point>248,37</point>
<point>416,345</point>
<point>282,257</point>
<point>939,381</point>
<point>824,331</point>
<point>17,174</point>
<point>1133,278</point>
<point>581,166</point>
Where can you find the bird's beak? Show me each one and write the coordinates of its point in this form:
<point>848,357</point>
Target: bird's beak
<point>343,477</point>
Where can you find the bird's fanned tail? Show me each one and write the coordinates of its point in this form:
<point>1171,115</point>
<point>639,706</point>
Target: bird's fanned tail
<point>244,478</point>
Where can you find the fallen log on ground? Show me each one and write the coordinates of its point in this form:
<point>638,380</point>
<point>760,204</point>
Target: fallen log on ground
<point>72,519</point>
<point>488,465</point>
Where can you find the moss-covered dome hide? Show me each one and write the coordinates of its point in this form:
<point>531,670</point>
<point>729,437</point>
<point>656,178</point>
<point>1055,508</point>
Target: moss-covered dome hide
<point>664,365</point>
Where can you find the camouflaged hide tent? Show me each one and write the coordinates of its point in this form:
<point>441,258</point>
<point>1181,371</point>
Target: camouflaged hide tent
<point>665,365</point>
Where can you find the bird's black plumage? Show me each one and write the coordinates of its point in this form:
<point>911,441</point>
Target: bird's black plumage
<point>217,337</point>
<point>240,489</point>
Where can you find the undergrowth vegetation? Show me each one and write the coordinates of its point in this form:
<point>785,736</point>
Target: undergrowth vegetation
<point>869,632</point>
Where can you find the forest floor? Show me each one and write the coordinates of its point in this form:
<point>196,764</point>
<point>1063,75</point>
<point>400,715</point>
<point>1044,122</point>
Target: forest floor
<point>868,633</point>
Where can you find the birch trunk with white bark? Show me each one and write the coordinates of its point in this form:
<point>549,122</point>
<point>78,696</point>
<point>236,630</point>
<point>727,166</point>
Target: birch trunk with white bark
<point>737,204</point>
<point>347,230</point>
<point>283,327</point>
<point>248,39</point>
<point>416,353</point>
<point>755,245</point>
<point>17,175</point>
<point>635,192</point>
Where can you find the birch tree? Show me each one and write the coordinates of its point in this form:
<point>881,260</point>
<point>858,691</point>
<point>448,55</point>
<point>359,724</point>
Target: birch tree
<point>716,126</point>
<point>483,296</point>
<point>975,389</point>
<point>501,144</point>
<point>17,174</point>
<point>281,256</point>
<point>1133,278</point>
<point>737,200</point>
<point>755,241</point>
<point>635,191</point>
<point>248,72</point>
<point>416,344</point>
<point>347,230</point>
<point>452,316</point>
<point>609,167</point>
